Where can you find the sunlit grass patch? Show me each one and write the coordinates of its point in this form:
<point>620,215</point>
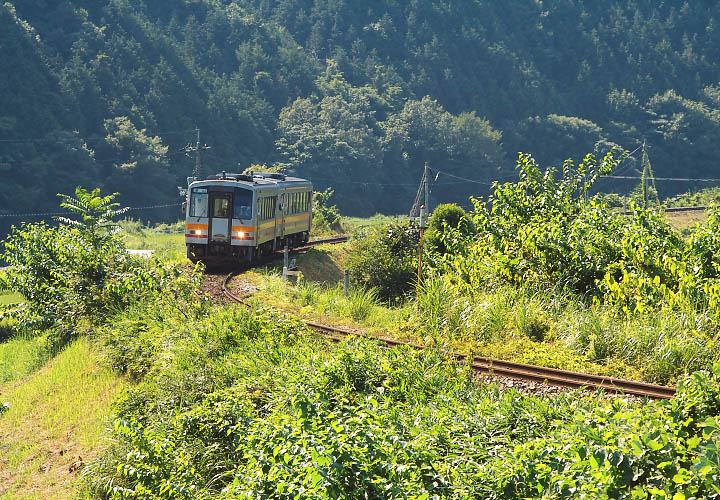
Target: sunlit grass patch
<point>10,298</point>
<point>55,418</point>
<point>351,224</point>
<point>312,300</point>
<point>167,240</point>
<point>20,356</point>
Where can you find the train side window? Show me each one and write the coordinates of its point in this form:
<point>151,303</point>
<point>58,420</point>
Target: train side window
<point>242,204</point>
<point>199,202</point>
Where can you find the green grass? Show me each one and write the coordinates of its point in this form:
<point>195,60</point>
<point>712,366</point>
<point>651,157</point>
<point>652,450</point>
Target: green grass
<point>246,403</point>
<point>21,356</point>
<point>10,298</point>
<point>167,240</point>
<point>352,224</point>
<point>56,416</point>
<point>313,300</point>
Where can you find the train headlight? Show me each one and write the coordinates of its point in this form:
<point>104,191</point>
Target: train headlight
<point>241,235</point>
<point>197,231</point>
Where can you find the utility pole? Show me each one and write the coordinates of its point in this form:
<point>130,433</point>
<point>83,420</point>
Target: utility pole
<point>197,172</point>
<point>427,188</point>
<point>420,244</point>
<point>423,219</point>
<point>198,164</point>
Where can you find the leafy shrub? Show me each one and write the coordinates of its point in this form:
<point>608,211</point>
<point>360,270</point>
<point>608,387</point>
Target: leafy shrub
<point>325,216</point>
<point>542,233</point>
<point>448,215</point>
<point>385,258</point>
<point>665,450</point>
<point>76,271</point>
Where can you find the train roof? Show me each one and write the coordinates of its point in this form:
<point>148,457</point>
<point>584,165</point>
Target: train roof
<point>255,179</point>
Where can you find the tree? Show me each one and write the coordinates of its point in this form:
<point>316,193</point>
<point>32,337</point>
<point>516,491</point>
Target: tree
<point>96,213</point>
<point>137,164</point>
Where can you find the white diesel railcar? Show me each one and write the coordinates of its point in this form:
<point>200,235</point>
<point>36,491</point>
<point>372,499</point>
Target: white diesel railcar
<point>238,217</point>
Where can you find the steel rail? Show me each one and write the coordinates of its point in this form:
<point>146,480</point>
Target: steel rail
<point>509,369</point>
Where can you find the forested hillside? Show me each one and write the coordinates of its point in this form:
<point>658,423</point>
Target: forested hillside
<point>353,95</point>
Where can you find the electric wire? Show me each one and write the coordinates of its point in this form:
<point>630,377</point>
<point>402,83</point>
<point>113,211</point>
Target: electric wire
<point>130,209</point>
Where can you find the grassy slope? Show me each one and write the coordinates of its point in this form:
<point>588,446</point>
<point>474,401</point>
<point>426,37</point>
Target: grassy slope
<point>21,356</point>
<point>56,418</point>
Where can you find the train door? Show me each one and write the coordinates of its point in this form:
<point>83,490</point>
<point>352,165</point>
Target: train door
<point>282,210</point>
<point>220,221</point>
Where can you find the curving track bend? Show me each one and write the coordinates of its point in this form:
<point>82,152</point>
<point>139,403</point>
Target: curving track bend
<point>520,371</point>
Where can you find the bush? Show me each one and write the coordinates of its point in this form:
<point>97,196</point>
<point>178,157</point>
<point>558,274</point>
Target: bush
<point>542,232</point>
<point>445,216</point>
<point>325,216</point>
<point>76,271</point>
<point>385,258</point>
<point>241,403</point>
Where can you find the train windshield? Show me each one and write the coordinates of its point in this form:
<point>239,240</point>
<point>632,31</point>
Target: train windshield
<point>199,202</point>
<point>242,208</point>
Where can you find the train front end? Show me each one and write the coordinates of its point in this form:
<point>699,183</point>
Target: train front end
<point>220,224</point>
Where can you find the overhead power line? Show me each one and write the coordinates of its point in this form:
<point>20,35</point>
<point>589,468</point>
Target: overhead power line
<point>44,214</point>
<point>677,179</point>
<point>86,139</point>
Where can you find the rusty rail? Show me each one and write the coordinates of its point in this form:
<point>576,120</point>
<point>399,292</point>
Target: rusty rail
<point>509,369</point>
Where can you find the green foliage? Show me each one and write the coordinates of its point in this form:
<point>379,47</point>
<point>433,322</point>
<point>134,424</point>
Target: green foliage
<point>667,451</point>
<point>345,93</point>
<point>96,211</point>
<point>444,216</point>
<point>242,403</point>
<point>703,197</point>
<point>76,271</point>
<point>140,165</point>
<point>326,217</point>
<point>541,230</point>
<point>385,258</point>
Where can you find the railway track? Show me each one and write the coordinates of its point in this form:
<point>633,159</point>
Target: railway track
<point>497,367</point>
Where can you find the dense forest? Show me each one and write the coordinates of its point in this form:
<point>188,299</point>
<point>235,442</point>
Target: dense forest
<point>353,95</point>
